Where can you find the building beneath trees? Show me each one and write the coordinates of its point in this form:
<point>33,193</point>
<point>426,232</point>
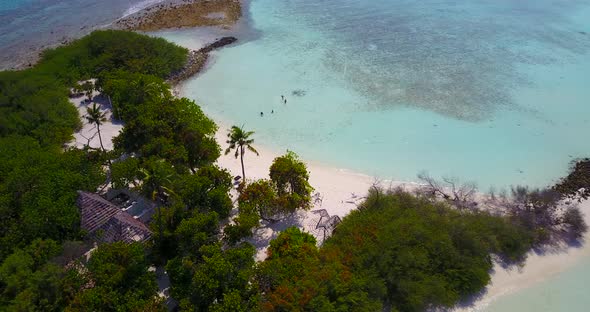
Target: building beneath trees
<point>106,223</point>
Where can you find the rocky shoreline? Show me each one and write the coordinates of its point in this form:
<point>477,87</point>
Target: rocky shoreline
<point>183,13</point>
<point>197,59</point>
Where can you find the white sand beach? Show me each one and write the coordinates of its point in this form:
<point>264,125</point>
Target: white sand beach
<point>88,134</point>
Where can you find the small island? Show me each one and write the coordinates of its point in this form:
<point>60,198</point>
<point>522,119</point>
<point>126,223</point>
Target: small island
<point>146,219</point>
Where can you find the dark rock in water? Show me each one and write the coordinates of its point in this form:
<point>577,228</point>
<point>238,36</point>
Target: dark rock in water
<point>582,33</point>
<point>197,59</point>
<point>218,44</point>
<point>298,92</point>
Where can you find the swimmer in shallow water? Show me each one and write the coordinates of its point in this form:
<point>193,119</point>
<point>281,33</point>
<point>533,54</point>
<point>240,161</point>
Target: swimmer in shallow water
<point>261,114</point>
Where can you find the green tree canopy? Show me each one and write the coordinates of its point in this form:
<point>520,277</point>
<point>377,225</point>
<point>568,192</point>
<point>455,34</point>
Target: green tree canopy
<point>215,279</point>
<point>38,191</point>
<point>396,250</point>
<point>290,177</point>
<point>111,50</point>
<point>121,281</point>
<point>36,105</point>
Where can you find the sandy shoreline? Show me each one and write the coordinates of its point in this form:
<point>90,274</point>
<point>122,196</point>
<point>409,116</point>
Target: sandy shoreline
<point>537,268</point>
<point>339,191</point>
<point>342,190</point>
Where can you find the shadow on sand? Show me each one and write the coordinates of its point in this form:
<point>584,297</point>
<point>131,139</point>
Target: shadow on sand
<point>269,231</point>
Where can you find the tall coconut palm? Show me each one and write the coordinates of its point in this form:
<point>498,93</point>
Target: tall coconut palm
<point>240,140</point>
<point>95,116</point>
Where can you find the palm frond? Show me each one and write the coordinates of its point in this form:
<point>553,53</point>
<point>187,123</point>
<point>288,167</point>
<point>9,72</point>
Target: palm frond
<point>253,150</point>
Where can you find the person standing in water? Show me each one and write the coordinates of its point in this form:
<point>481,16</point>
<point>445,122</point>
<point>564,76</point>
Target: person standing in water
<point>261,114</point>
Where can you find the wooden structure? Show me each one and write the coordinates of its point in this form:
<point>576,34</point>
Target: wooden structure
<point>327,223</point>
<point>106,223</point>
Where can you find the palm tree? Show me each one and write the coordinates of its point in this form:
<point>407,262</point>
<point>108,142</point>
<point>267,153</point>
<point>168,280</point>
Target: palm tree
<point>238,140</point>
<point>95,116</point>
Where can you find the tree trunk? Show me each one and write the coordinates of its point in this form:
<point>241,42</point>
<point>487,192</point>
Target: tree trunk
<point>102,146</point>
<point>242,160</point>
<point>100,137</point>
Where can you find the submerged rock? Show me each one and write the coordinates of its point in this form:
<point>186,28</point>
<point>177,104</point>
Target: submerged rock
<point>219,43</point>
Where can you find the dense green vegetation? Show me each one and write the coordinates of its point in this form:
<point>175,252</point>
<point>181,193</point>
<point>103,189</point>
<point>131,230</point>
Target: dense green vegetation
<point>120,281</point>
<point>38,191</point>
<point>108,51</point>
<point>397,251</point>
<point>166,152</point>
<point>39,179</point>
<point>158,124</point>
<point>36,105</point>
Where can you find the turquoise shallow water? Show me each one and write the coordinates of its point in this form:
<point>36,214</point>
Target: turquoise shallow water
<point>491,91</point>
<point>566,292</point>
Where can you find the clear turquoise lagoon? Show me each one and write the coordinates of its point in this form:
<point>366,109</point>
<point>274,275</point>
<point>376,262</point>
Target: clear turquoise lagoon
<point>491,91</point>
<point>496,92</point>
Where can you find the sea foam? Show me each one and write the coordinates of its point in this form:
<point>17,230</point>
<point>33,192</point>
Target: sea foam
<point>140,6</point>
